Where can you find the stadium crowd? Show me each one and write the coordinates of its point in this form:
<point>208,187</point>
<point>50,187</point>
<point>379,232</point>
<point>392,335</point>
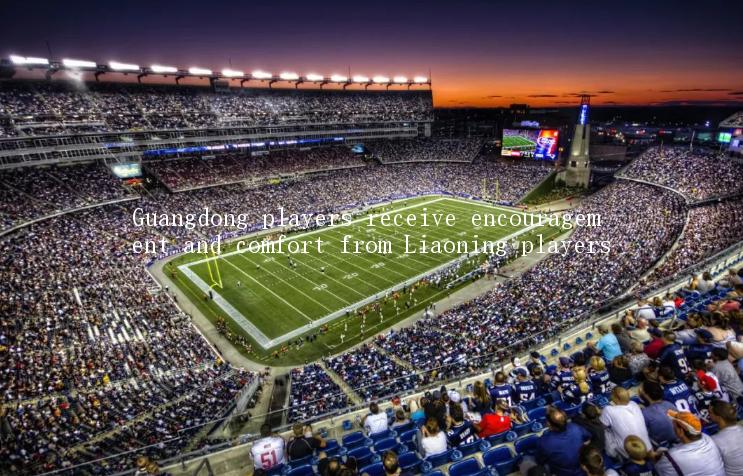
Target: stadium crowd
<point>698,174</point>
<point>426,150</point>
<point>52,108</point>
<point>710,229</point>
<point>590,412</point>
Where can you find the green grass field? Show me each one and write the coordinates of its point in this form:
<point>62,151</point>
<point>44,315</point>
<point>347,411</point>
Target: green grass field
<point>276,301</point>
<point>517,142</point>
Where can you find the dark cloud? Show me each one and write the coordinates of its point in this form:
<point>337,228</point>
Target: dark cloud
<point>736,93</point>
<point>492,96</point>
<point>542,96</point>
<point>697,102</point>
<point>695,90</point>
<point>605,92</point>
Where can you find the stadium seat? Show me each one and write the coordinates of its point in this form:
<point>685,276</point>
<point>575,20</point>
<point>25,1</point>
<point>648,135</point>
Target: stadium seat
<point>522,429</point>
<point>375,469</point>
<point>332,448</point>
<point>440,460</point>
<point>409,461</point>
<point>535,403</point>
<point>276,470</point>
<point>304,470</point>
<point>573,410</point>
<point>347,425</point>
<point>300,462</point>
<point>363,456</point>
<point>383,435</point>
<point>403,428</point>
<point>538,414</point>
<point>501,459</point>
<point>384,445</point>
<point>526,445</point>
<point>408,438</point>
<point>466,467</point>
<point>354,440</point>
<point>474,447</point>
<point>495,440</point>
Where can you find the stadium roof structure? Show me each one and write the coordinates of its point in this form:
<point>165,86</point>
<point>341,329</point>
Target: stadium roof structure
<point>734,121</point>
<point>16,62</point>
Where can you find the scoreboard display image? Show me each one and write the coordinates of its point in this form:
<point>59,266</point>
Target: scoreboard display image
<point>539,144</point>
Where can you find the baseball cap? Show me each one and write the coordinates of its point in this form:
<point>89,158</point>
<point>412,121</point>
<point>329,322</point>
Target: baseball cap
<point>687,420</point>
<point>703,333</point>
<point>565,361</point>
<point>521,372</point>
<point>707,382</point>
<point>436,395</point>
<point>454,396</point>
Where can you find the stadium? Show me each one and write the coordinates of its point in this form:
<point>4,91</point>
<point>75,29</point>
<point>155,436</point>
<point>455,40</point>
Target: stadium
<point>221,272</point>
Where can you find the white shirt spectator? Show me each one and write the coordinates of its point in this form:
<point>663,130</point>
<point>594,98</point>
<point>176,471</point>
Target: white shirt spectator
<point>268,452</point>
<point>376,423</point>
<point>433,445</point>
<point>620,422</point>
<point>697,458</point>
<point>645,312</point>
<point>730,443</point>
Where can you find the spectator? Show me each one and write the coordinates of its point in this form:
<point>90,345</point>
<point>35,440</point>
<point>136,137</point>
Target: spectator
<point>655,413</point>
<point>599,376</point>
<point>639,463</point>
<point>401,418</point>
<point>433,441</point>
<point>640,332</point>
<point>656,344</point>
<point>268,452</point>
<point>607,344</point>
<point>620,372</point>
<point>460,432</point>
<point>303,443</point>
<point>672,356</point>
<point>558,448</point>
<point>524,389</point>
<point>494,423</point>
<point>592,462</point>
<point>638,359</point>
<point>695,455</point>
<point>391,464</point>
<point>623,338</point>
<point>729,380</point>
<point>501,390</point>
<point>375,421</point>
<point>621,419</point>
<point>480,401</point>
<point>590,419</point>
<point>728,439</point>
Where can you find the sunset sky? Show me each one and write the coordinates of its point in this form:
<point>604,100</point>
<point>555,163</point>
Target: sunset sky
<point>480,53</point>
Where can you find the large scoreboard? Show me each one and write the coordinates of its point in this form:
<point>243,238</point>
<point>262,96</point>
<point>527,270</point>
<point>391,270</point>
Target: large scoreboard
<point>538,144</point>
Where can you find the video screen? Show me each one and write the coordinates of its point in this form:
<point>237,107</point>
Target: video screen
<point>125,171</point>
<point>538,144</point>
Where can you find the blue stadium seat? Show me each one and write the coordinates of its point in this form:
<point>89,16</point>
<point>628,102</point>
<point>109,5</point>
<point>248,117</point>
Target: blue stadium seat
<point>573,410</point>
<point>409,461</point>
<point>332,448</point>
<point>566,346</point>
<point>501,459</point>
<point>408,438</point>
<point>363,456</point>
<point>384,445</point>
<point>522,428</point>
<point>538,414</point>
<point>375,469</point>
<point>526,445</point>
<point>347,425</point>
<point>495,440</point>
<point>276,470</point>
<point>628,383</point>
<point>474,447</point>
<point>467,467</point>
<point>304,470</point>
<point>435,473</point>
<point>354,440</point>
<point>440,459</point>
<point>300,462</point>
<point>383,435</point>
<point>403,428</point>
<point>531,404</point>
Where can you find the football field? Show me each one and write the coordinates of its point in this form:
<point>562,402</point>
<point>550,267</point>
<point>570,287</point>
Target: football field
<point>517,143</point>
<point>276,297</point>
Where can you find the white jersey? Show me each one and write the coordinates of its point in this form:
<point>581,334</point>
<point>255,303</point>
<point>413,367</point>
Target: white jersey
<point>376,423</point>
<point>268,452</point>
<point>698,458</point>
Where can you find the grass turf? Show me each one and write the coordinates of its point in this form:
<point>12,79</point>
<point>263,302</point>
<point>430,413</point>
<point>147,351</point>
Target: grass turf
<point>517,142</point>
<point>278,298</point>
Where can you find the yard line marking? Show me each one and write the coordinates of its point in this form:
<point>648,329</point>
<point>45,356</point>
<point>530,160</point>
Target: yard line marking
<point>293,287</point>
<point>268,289</point>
